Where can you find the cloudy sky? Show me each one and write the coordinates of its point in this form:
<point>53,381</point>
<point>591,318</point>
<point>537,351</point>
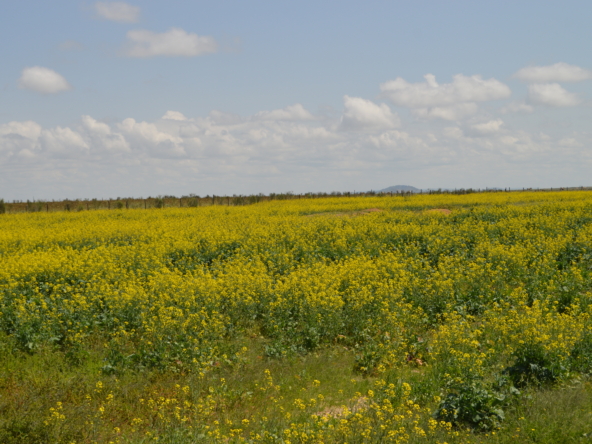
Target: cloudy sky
<point>107,99</point>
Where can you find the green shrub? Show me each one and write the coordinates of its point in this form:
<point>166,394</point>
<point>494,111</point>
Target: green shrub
<point>534,367</point>
<point>472,404</point>
<point>581,356</point>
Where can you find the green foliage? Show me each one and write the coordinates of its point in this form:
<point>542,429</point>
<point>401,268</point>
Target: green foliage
<point>474,404</point>
<point>161,299</point>
<point>581,356</point>
<point>535,366</point>
<point>24,431</point>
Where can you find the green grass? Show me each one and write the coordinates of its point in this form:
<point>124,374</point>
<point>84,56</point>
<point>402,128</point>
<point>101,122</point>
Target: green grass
<point>30,385</point>
<point>559,415</point>
<point>89,363</point>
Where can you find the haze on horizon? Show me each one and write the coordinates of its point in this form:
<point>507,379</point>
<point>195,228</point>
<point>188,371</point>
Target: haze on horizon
<point>143,98</point>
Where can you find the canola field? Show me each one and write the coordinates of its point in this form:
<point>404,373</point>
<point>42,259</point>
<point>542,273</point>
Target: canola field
<point>306,321</point>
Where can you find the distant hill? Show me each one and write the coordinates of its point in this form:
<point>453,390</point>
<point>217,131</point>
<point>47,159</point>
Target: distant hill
<point>397,188</point>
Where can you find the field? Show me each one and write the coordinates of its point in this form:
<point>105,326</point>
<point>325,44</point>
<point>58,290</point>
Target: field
<point>425,318</point>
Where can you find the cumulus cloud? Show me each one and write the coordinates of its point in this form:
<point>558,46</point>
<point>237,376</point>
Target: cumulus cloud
<point>570,142</point>
<point>304,132</point>
<point>551,94</point>
<point>399,140</point>
<point>28,129</point>
<point>117,12</point>
<point>222,118</point>
<point>43,80</point>
<point>454,112</point>
<point>453,132</point>
<point>144,134</point>
<point>274,150</point>
<point>493,126</point>
<point>175,42</point>
<point>362,114</point>
<point>174,115</point>
<point>19,137</point>
<point>63,142</point>
<point>559,72</point>
<point>431,94</point>
<point>517,107</point>
<point>101,137</point>
<point>292,112</point>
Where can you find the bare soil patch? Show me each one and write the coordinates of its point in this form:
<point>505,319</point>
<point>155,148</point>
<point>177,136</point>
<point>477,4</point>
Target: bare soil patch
<point>439,210</point>
<point>337,412</point>
<point>347,213</point>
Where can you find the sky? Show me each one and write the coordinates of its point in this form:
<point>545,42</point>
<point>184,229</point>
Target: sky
<point>145,98</point>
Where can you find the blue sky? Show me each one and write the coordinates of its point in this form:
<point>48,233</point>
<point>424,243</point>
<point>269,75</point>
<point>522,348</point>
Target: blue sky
<point>142,98</point>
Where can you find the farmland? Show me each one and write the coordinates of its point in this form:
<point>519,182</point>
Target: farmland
<point>424,318</point>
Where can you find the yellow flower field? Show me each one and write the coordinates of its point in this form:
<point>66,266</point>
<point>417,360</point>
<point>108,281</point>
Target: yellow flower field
<point>443,320</point>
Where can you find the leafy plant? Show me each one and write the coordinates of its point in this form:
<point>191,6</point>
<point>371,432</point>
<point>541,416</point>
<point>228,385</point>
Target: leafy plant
<point>581,355</point>
<point>474,404</point>
<point>534,366</point>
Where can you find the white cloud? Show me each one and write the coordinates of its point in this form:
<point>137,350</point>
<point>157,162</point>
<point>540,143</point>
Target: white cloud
<point>551,94</point>
<point>225,153</point>
<point>307,132</point>
<point>222,118</point>
<point>361,114</point>
<point>430,93</point>
<point>570,142</point>
<point>28,129</point>
<point>397,139</point>
<point>388,139</point>
<point>493,126</point>
<point>292,112</point>
<point>174,115</point>
<point>559,72</point>
<point>146,131</point>
<point>117,11</point>
<point>101,137</point>
<point>43,80</point>
<point>517,107</point>
<point>63,142</point>
<point>175,42</point>
<point>454,112</point>
<point>453,132</point>
<point>520,146</point>
<point>18,137</point>
<point>144,134</point>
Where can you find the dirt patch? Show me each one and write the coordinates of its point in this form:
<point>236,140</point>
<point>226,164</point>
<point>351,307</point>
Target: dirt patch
<point>337,412</point>
<point>348,213</point>
<point>439,210</point>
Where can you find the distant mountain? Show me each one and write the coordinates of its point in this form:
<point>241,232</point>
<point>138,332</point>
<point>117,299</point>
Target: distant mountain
<point>397,188</point>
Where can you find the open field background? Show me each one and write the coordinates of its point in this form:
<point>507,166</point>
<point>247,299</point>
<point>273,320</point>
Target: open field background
<point>366,319</point>
<point>192,200</point>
